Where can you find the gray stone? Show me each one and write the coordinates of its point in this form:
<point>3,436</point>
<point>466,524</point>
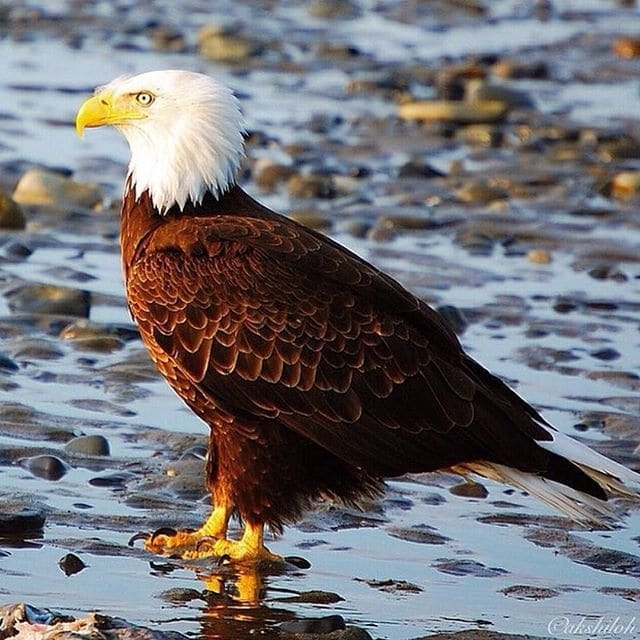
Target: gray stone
<point>49,299</point>
<point>89,445</point>
<point>46,467</point>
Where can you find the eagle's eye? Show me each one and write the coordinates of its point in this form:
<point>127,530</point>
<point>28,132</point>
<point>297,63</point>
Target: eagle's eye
<point>145,98</point>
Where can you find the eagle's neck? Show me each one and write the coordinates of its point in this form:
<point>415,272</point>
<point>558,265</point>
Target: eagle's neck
<point>140,217</point>
<point>170,181</point>
<point>183,161</point>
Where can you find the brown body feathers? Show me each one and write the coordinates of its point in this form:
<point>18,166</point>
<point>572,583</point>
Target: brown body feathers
<point>317,373</point>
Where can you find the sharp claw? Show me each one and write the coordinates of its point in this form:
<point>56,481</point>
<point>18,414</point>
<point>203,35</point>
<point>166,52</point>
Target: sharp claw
<point>162,531</point>
<point>141,535</point>
<point>224,559</point>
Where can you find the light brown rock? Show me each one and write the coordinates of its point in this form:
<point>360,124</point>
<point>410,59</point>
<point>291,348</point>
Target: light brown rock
<point>44,187</point>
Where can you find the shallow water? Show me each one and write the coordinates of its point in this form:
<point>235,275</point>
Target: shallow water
<point>516,328</point>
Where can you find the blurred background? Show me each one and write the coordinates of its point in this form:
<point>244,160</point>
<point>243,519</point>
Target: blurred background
<point>486,153</point>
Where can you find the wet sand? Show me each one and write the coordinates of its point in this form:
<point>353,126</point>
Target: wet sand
<point>521,224</point>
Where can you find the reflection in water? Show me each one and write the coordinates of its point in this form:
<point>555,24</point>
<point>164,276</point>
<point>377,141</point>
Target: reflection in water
<point>244,585</point>
<point>234,601</point>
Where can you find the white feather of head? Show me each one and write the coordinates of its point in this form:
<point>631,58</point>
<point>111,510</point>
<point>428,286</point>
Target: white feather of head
<point>190,141</point>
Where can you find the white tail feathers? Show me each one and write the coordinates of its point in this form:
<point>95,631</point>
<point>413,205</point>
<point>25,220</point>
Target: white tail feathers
<point>614,478</point>
<point>581,507</point>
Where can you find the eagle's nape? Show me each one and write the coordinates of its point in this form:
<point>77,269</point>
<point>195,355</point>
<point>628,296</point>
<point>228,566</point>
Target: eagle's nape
<point>318,374</point>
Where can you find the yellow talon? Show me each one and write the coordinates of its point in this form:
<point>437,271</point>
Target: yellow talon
<point>186,543</point>
<point>210,541</point>
<point>249,549</point>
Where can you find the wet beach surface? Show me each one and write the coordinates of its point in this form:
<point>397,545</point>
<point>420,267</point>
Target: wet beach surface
<point>518,219</point>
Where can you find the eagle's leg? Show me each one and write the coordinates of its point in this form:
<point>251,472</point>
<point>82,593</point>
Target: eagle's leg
<point>191,544</point>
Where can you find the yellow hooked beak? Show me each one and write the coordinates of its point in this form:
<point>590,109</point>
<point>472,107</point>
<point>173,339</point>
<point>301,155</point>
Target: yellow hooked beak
<point>104,108</point>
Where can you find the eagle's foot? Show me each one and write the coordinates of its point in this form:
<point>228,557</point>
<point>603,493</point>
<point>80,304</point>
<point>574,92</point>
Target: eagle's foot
<point>169,542</point>
<point>192,545</point>
<point>185,543</point>
<point>247,550</point>
<point>210,541</point>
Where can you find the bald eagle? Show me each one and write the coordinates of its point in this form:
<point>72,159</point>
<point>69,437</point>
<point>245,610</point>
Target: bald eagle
<point>318,375</point>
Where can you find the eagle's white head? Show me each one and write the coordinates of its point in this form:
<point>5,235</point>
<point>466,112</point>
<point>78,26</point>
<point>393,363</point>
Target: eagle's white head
<point>184,129</point>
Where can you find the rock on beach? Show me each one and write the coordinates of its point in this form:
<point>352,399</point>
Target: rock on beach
<point>46,187</point>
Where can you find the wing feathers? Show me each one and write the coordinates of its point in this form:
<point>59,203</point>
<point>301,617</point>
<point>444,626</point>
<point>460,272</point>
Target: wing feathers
<point>286,340</point>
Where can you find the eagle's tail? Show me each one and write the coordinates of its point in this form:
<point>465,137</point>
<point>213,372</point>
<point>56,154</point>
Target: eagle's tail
<point>613,478</point>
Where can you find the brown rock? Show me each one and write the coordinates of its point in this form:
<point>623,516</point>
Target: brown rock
<point>333,9</point>
<point>11,215</point>
<point>481,193</point>
<point>268,175</point>
<point>463,112</point>
<point>39,186</point>
<point>311,186</point>
<point>625,184</point>
<point>226,44</point>
<point>539,256</point>
<point>627,47</point>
